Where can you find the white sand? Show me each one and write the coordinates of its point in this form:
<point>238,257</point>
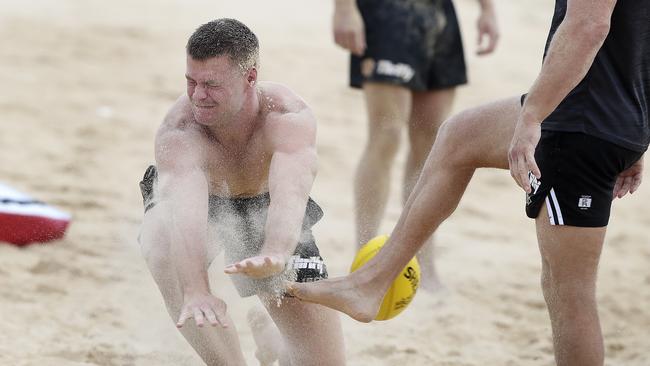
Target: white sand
<point>84,85</point>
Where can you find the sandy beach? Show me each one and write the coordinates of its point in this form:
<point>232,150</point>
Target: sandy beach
<point>84,85</point>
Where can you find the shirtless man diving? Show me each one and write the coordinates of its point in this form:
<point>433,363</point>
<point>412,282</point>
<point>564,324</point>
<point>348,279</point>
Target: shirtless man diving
<point>235,162</point>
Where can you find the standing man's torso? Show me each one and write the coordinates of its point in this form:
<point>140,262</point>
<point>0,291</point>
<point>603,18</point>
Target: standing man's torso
<point>612,100</point>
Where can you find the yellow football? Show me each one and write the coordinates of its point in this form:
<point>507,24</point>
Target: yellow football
<point>403,289</point>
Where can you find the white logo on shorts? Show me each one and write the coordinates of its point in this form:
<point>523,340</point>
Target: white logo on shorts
<point>297,262</point>
<point>534,182</point>
<point>402,71</point>
<point>584,202</point>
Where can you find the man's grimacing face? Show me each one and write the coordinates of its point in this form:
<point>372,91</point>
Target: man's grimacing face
<point>216,87</point>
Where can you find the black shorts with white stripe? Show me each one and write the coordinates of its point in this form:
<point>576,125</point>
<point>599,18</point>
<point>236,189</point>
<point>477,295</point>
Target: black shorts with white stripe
<point>579,172</point>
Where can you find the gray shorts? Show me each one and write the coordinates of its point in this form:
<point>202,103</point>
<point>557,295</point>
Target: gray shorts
<point>238,225</point>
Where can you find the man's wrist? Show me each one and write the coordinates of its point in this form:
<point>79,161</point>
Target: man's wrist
<point>344,5</point>
<point>284,255</point>
<point>196,289</point>
<point>531,111</point>
<point>486,5</point>
<point>529,117</point>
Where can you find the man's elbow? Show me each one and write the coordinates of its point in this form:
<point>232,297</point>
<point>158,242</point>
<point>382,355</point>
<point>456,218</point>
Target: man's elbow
<point>599,30</point>
<point>593,32</point>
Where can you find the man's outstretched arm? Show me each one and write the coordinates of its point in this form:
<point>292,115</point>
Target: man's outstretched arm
<point>292,138</point>
<point>184,187</point>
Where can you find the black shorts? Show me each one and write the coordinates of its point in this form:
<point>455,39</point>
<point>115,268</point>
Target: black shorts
<point>238,223</point>
<point>579,172</point>
<point>414,43</point>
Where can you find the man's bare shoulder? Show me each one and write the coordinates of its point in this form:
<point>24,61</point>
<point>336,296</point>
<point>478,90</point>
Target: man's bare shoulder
<point>278,98</point>
<point>288,122</point>
<point>178,118</point>
<point>177,132</point>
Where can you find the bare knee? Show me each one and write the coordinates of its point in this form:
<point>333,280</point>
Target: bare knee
<point>421,138</point>
<point>383,143</point>
<point>419,147</point>
<point>562,287</point>
<point>388,112</point>
<point>453,144</point>
<point>478,137</point>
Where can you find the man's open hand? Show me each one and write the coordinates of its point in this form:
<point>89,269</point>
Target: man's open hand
<point>629,180</point>
<point>260,266</point>
<point>521,155</point>
<point>203,307</point>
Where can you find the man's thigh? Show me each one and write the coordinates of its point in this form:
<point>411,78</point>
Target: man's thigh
<point>570,253</point>
<point>387,104</point>
<point>478,137</point>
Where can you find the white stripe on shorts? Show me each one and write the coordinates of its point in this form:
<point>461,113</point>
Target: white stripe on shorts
<point>549,211</point>
<point>560,220</point>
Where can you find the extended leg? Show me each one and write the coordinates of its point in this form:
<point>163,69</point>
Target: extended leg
<point>476,138</point>
<point>428,111</point>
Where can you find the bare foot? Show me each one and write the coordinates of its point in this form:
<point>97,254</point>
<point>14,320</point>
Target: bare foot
<point>261,266</point>
<point>360,299</point>
<point>266,335</point>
